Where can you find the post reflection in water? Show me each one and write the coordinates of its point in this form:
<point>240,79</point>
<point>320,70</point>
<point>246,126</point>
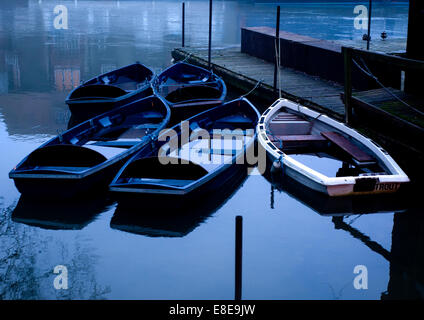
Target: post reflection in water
<point>406,256</point>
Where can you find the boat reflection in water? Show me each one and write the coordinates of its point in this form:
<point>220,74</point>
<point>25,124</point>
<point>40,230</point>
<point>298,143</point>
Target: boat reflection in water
<point>337,206</point>
<point>59,215</point>
<point>406,257</point>
<point>171,217</point>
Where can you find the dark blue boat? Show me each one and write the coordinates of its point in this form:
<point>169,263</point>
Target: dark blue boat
<point>171,218</point>
<point>88,156</point>
<point>110,90</point>
<point>189,89</point>
<point>195,157</point>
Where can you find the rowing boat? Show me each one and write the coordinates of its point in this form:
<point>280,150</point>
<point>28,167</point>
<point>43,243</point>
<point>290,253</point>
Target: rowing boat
<point>169,217</point>
<point>189,89</point>
<point>110,90</point>
<point>86,157</point>
<point>324,154</point>
<point>194,157</point>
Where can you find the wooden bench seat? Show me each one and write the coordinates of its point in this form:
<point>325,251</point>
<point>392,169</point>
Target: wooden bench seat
<point>347,146</point>
<point>301,141</point>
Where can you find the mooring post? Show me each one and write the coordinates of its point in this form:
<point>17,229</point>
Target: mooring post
<point>183,26</point>
<point>239,256</point>
<point>347,56</point>
<point>369,24</point>
<point>210,34</point>
<point>277,51</point>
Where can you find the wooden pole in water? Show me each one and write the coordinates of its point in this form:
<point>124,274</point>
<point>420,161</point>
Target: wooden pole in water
<point>414,47</point>
<point>369,25</point>
<point>210,34</point>
<point>239,256</point>
<point>276,49</point>
<point>183,26</point>
<point>347,56</point>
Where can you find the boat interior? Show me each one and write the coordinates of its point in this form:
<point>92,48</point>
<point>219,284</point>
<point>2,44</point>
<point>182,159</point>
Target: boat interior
<point>194,92</point>
<point>214,141</point>
<point>115,84</point>
<point>320,146</point>
<point>183,82</point>
<point>97,140</point>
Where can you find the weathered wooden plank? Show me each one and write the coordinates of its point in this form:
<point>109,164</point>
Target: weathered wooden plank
<point>243,71</point>
<point>347,146</point>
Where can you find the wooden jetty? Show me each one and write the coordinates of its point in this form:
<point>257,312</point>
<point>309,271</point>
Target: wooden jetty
<point>311,70</point>
<point>389,110</point>
<point>378,114</point>
<point>242,72</point>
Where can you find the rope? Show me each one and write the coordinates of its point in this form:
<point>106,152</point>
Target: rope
<point>277,57</point>
<point>186,58</point>
<point>369,73</point>
<point>254,88</point>
<point>276,138</point>
<point>178,84</point>
<point>279,68</point>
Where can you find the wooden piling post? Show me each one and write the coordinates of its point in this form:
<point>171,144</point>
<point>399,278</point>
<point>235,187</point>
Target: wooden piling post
<point>414,47</point>
<point>183,26</point>
<point>277,54</point>
<point>347,56</point>
<point>210,34</point>
<point>369,24</point>
<point>239,256</point>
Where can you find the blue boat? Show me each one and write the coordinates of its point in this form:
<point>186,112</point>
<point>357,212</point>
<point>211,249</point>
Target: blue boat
<point>110,90</point>
<point>86,157</point>
<point>171,218</point>
<point>194,157</point>
<point>189,89</point>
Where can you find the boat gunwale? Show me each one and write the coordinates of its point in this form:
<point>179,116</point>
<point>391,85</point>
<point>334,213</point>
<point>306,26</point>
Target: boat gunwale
<point>156,83</point>
<point>108,162</point>
<point>395,174</point>
<point>119,187</point>
<point>130,93</point>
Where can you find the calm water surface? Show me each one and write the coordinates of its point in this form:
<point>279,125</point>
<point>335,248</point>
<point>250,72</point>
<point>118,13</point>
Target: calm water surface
<point>292,248</point>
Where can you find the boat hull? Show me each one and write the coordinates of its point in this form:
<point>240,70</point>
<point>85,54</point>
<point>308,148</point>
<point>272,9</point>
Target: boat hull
<point>191,179</point>
<point>50,186</point>
<point>331,186</point>
<point>64,167</point>
<point>186,98</point>
<point>134,198</point>
<point>83,109</point>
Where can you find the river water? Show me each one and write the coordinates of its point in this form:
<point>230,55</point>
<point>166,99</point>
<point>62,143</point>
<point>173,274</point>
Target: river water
<point>294,246</point>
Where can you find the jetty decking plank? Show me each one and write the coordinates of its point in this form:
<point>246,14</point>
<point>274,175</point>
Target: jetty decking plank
<point>242,71</point>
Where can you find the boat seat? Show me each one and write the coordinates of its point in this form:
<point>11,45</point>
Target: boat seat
<point>107,151</point>
<point>233,121</point>
<point>153,115</point>
<point>172,182</point>
<point>126,144</point>
<point>347,146</point>
<point>285,116</point>
<point>289,124</point>
<point>304,140</point>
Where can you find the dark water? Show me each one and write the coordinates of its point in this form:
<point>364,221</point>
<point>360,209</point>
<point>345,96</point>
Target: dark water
<point>292,248</point>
